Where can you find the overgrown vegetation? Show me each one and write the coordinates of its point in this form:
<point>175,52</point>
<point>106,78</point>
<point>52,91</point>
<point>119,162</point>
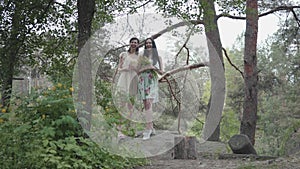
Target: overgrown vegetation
<point>42,131</point>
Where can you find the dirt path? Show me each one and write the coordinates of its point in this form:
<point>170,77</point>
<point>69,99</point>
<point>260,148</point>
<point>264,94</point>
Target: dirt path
<point>210,155</point>
<point>292,162</point>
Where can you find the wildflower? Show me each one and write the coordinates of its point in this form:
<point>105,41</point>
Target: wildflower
<point>43,116</point>
<point>150,76</point>
<point>3,110</point>
<point>144,61</point>
<point>53,88</point>
<point>1,120</point>
<point>71,89</point>
<point>59,85</point>
<point>30,105</point>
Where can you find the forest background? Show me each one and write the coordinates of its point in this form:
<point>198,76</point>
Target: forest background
<point>42,40</point>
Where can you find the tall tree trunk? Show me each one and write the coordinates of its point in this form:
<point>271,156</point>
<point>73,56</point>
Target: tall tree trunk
<point>249,117</point>
<point>9,56</point>
<point>213,116</point>
<point>86,10</point>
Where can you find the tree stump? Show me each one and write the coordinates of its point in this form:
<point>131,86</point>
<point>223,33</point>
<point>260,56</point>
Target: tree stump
<point>185,147</point>
<point>241,144</point>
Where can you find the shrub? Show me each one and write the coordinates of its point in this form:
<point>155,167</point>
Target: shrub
<point>42,131</point>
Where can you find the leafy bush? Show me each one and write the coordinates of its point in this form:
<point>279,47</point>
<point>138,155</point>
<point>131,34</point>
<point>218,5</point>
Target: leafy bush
<point>42,131</point>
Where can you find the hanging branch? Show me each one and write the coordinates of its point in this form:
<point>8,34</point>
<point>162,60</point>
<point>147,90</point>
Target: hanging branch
<point>188,55</point>
<point>185,76</point>
<point>225,52</point>
<point>184,46</point>
<point>178,103</point>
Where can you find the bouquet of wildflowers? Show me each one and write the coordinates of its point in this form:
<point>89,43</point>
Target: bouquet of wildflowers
<point>144,62</point>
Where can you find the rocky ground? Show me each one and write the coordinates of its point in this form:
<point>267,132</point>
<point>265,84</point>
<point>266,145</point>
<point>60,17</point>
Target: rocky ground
<point>211,155</point>
<point>291,162</point>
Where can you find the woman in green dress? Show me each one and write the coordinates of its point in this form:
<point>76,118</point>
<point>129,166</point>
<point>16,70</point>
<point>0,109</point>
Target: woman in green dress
<point>150,63</point>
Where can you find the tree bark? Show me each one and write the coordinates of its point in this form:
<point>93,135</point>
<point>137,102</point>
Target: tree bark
<point>185,147</point>
<point>86,10</point>
<point>213,116</point>
<point>10,54</point>
<point>249,116</point>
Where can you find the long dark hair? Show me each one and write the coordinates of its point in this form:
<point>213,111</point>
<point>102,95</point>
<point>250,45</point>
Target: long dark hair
<point>154,52</point>
<point>137,48</point>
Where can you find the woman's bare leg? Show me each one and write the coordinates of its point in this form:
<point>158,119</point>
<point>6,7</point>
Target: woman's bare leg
<point>148,111</point>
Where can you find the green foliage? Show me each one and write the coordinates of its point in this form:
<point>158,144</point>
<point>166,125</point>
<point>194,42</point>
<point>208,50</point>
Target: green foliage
<point>279,108</point>
<point>42,132</point>
<point>110,112</point>
<point>232,7</point>
<point>180,8</point>
<point>229,125</point>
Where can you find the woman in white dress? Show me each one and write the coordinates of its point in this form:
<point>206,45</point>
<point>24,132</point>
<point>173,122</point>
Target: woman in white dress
<point>127,82</point>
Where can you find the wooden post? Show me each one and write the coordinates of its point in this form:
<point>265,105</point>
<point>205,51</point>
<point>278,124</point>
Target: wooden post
<point>185,147</point>
<point>191,147</point>
<point>241,144</point>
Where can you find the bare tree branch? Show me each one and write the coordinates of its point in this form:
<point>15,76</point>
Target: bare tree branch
<point>225,52</point>
<point>137,7</point>
<point>296,17</point>
<point>178,103</point>
<point>177,25</point>
<point>184,46</point>
<point>279,8</point>
<point>186,67</point>
<point>188,54</point>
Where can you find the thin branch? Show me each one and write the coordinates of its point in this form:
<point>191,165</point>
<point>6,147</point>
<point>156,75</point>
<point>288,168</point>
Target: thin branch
<point>178,103</point>
<point>230,16</point>
<point>177,25</point>
<point>296,17</point>
<point>188,55</point>
<point>172,92</point>
<point>184,46</point>
<point>18,78</point>
<point>279,8</point>
<point>137,7</point>
<point>114,49</point>
<point>225,52</point>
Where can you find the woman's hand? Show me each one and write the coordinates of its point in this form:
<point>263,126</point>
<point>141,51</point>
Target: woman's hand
<point>160,71</point>
<point>150,67</point>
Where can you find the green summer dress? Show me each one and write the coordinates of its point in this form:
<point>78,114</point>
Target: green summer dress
<point>148,84</point>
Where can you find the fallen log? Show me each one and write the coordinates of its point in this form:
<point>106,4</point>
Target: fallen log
<point>245,156</point>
